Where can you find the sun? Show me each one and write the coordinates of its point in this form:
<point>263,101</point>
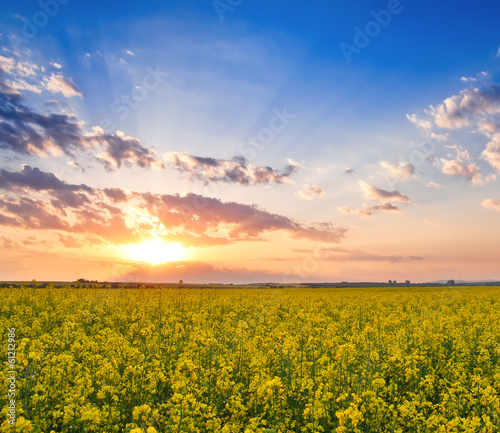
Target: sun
<point>156,251</point>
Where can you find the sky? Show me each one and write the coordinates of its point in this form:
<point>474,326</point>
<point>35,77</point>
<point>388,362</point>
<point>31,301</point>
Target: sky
<point>249,141</point>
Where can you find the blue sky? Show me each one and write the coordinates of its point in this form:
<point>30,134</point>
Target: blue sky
<point>175,78</point>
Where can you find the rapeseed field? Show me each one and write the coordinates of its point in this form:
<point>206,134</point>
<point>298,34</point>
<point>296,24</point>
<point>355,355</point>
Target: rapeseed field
<point>252,360</point>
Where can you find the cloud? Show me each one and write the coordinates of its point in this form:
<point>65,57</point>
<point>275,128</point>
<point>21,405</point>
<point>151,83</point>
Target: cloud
<point>76,165</point>
<point>236,170</point>
<point>31,214</point>
<point>459,168</point>
<point>373,193</point>
<point>21,84</point>
<point>467,79</point>
<point>346,255</point>
<point>491,204</point>
<point>58,83</point>
<point>433,185</point>
<point>309,192</point>
<point>120,217</point>
<point>37,180</point>
<point>404,171</point>
<point>115,194</point>
<point>470,171</point>
<point>492,152</point>
<point>489,127</point>
<point>228,220</point>
<point>15,67</point>
<point>56,65</point>
<point>28,132</point>
<point>462,154</point>
<point>8,243</point>
<point>421,123</point>
<point>119,150</point>
<point>25,131</point>
<point>349,171</point>
<point>459,110</point>
<point>70,241</point>
<point>430,222</point>
<point>369,210</point>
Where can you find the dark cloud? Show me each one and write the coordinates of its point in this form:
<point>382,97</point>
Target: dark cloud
<point>369,210</point>
<point>236,170</point>
<point>121,150</point>
<point>373,193</point>
<point>115,194</point>
<point>37,180</point>
<point>28,132</point>
<point>32,214</point>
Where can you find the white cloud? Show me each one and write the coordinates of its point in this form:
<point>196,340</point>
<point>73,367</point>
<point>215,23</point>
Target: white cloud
<point>489,127</point>
<point>433,185</point>
<point>404,171</point>
<point>13,67</point>
<point>492,152</point>
<point>309,192</point>
<point>458,110</point>
<point>462,154</point>
<point>421,123</point>
<point>23,85</point>
<point>491,204</point>
<point>57,83</point>
<point>459,168</point>
<point>467,79</point>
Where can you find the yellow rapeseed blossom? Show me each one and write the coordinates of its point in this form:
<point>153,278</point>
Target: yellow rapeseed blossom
<point>254,360</point>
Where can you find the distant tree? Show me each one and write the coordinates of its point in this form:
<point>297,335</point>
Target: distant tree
<point>390,281</point>
<point>451,282</point>
<point>180,282</point>
<point>407,282</point>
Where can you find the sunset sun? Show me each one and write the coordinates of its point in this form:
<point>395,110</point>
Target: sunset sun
<point>155,252</point>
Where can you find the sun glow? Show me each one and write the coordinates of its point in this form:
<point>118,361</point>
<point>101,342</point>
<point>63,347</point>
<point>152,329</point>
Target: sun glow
<point>155,252</point>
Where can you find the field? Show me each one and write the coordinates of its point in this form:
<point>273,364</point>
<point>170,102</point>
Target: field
<point>253,360</point>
